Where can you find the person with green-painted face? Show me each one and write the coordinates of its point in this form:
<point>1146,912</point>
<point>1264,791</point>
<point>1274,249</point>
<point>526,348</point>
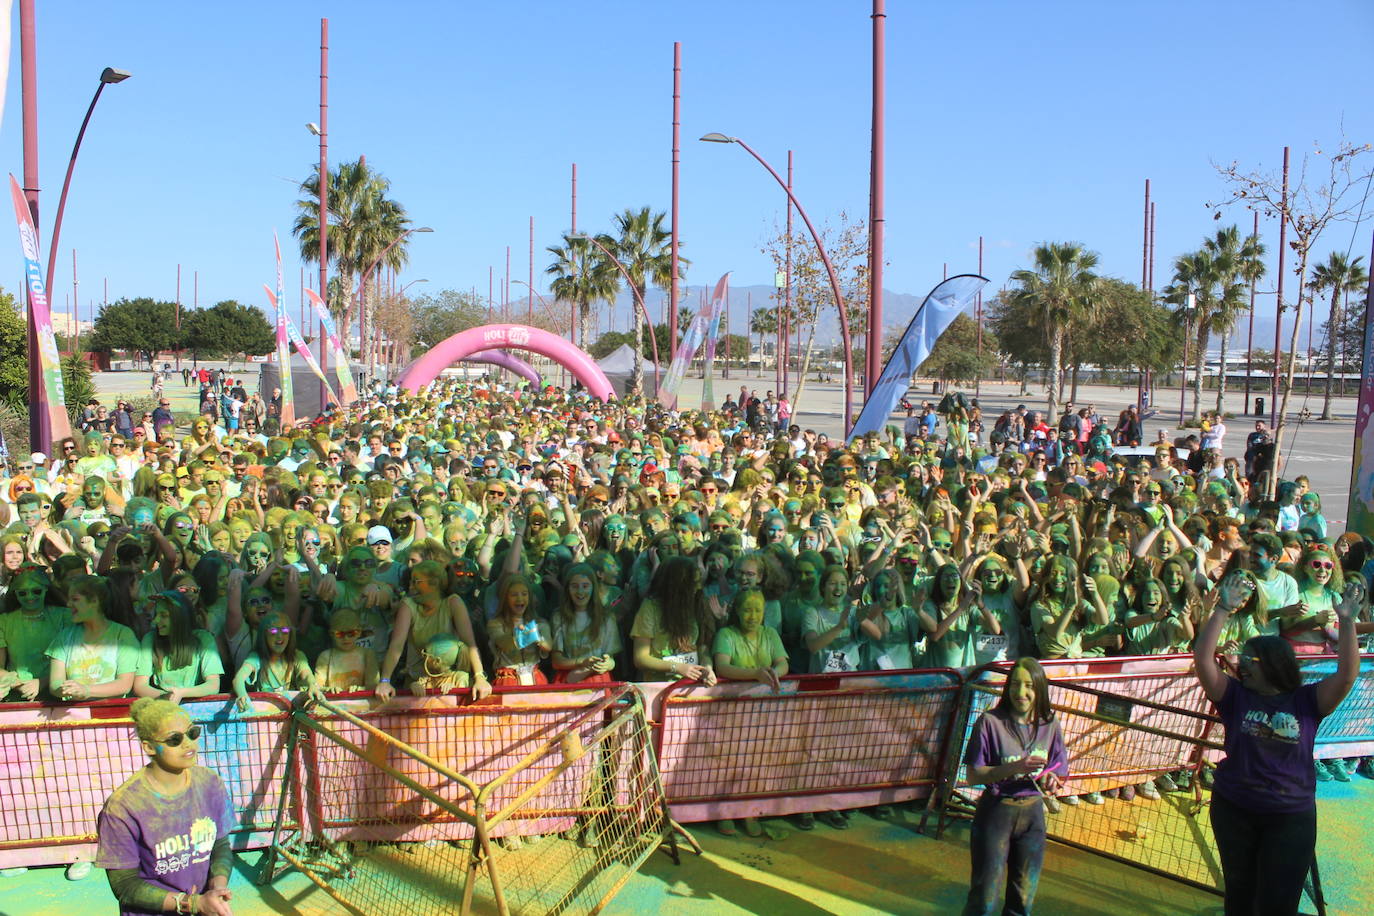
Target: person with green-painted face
<point>1280,590</point>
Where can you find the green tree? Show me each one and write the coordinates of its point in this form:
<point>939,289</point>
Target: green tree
<point>439,316</point>
<point>14,354</point>
<point>955,356</point>
<point>1061,293</point>
<point>144,325</point>
<point>77,385</point>
<point>1129,330</point>
<point>228,327</point>
<point>363,221</point>
<point>581,274</point>
<point>642,245</point>
<point>1340,275</point>
<point>763,321</point>
<point>609,342</point>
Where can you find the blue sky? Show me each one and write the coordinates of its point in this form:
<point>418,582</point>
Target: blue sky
<point>1018,122</point>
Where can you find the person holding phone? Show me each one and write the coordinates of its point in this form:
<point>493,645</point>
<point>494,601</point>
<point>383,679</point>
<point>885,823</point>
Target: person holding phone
<point>1264,801</point>
<point>1017,751</point>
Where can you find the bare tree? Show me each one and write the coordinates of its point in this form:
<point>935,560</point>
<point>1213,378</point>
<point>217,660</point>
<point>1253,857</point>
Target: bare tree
<point>1313,201</point>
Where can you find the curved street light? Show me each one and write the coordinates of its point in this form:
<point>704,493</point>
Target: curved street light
<point>829,269</point>
<point>639,301</point>
<point>362,282</point>
<point>107,76</point>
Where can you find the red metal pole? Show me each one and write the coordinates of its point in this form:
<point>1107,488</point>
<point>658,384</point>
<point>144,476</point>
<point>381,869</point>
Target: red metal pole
<point>505,289</point>
<point>1150,375</point>
<point>491,277</point>
<point>677,123</point>
<point>978,310</point>
<point>1278,309</point>
<point>324,196</point>
<point>1144,285</point>
<point>195,290</point>
<point>787,277</point>
<point>875,203</point>
<point>40,426</point>
<point>1250,340</point>
<point>529,312</point>
<point>76,308</point>
<point>178,349</point>
<point>572,326</point>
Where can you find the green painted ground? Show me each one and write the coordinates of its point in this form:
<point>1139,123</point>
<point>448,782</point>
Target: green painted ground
<point>873,867</point>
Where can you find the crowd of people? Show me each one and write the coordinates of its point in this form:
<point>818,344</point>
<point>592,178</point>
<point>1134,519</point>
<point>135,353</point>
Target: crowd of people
<point>474,535</point>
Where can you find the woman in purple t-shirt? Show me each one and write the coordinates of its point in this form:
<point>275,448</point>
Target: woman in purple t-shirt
<point>164,834</point>
<point>1018,752</point>
<point>1264,808</point>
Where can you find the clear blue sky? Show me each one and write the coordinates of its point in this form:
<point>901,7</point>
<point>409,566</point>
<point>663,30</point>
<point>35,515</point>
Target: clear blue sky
<point>1018,122</point>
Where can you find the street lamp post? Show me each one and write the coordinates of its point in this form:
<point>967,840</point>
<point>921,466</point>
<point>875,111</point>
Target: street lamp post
<point>107,76</point>
<point>362,286</point>
<point>829,269</point>
<point>639,301</point>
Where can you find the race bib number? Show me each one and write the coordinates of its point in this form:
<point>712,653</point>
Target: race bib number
<point>991,644</point>
<point>684,658</point>
<point>836,662</point>
<point>885,662</point>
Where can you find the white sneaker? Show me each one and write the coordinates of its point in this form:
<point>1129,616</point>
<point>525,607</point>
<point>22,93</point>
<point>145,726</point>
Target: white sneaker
<point>78,870</point>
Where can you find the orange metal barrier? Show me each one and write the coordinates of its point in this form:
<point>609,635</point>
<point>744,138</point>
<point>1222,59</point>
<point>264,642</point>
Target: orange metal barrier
<point>59,763</point>
<point>824,742</point>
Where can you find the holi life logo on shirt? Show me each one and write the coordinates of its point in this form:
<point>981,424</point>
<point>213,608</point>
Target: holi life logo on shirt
<point>1282,726</point>
<point>177,852</point>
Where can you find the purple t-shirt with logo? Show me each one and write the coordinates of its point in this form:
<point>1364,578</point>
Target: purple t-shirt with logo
<point>997,739</point>
<point>167,839</point>
<point>1269,739</point>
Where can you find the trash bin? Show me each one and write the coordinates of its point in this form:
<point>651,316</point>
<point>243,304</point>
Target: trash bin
<point>1259,407</point>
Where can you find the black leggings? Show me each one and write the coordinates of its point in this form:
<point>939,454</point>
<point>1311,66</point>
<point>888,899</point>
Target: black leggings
<point>1264,857</point>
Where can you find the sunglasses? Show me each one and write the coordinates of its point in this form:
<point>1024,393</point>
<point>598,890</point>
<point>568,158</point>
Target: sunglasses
<point>23,489</point>
<point>175,738</point>
<point>1322,564</point>
<point>278,631</point>
<point>116,445</point>
<point>836,505</point>
<point>367,564</point>
<point>69,448</point>
<point>499,494</point>
<point>166,489</point>
<point>183,526</point>
<point>348,634</point>
<point>315,542</point>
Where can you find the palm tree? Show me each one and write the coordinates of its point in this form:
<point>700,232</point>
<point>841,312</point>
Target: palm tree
<point>363,221</point>
<point>1192,294</point>
<point>1236,261</point>
<point>642,246</point>
<point>763,321</point>
<point>582,275</point>
<point>1340,275</point>
<point>1062,291</point>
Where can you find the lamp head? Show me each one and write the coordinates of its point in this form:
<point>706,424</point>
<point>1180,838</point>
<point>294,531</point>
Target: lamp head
<point>111,75</point>
<point>422,229</point>
<point>313,128</point>
<point>718,138</point>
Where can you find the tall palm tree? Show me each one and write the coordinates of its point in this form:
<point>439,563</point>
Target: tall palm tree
<point>643,247</point>
<point>1340,275</point>
<point>1236,260</point>
<point>582,275</point>
<point>1062,290</point>
<point>1192,292</point>
<point>763,321</point>
<point>363,221</point>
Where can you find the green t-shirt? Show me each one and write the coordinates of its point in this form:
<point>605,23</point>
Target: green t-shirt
<point>114,655</point>
<point>648,625</point>
<point>758,652</point>
<point>205,663</point>
<point>899,648</point>
<point>26,639</point>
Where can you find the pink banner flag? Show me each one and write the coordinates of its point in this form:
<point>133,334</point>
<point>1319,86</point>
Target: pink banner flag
<point>348,389</point>
<point>288,396</point>
<point>51,397</point>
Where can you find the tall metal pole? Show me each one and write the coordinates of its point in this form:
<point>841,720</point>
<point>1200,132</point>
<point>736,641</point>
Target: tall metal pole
<point>677,123</point>
<point>787,278</point>
<point>505,289</point>
<point>1149,373</point>
<point>76,307</point>
<point>1144,286</point>
<point>875,202</point>
<point>324,194</point>
<point>572,326</point>
<point>178,349</point>
<point>726,374</point>
<point>1250,339</point>
<point>529,312</point>
<point>978,310</point>
<point>195,289</point>
<point>1278,309</point>
<point>40,426</point>
<point>491,277</point>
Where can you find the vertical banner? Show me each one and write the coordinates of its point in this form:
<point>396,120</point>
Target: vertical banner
<point>941,307</point>
<point>686,350</point>
<point>347,388</point>
<point>713,313</point>
<point>288,397</point>
<point>53,397</point>
<point>293,335</point>
<point>1360,518</point>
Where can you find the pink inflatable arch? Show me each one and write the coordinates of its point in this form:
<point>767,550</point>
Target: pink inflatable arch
<point>512,337</point>
<point>504,360</point>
